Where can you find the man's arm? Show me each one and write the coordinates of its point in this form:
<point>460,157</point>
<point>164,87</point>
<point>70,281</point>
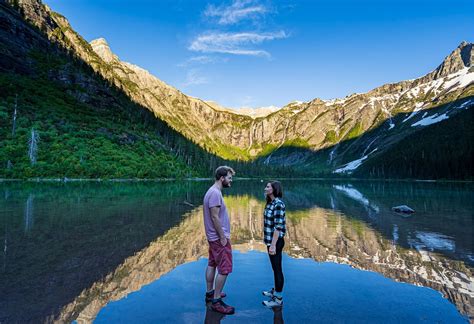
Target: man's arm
<point>217,224</point>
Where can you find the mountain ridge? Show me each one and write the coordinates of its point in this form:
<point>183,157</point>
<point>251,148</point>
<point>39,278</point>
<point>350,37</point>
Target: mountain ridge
<point>332,130</point>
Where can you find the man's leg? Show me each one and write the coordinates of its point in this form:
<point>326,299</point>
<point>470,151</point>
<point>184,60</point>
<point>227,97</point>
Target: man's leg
<point>224,267</point>
<point>210,272</point>
<point>210,275</point>
<point>220,282</point>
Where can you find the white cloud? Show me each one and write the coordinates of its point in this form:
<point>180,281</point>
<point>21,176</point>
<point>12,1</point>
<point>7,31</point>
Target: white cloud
<point>193,78</point>
<point>237,11</point>
<point>233,43</point>
<point>203,59</point>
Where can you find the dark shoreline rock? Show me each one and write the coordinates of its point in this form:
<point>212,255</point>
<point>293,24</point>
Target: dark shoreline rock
<point>403,209</point>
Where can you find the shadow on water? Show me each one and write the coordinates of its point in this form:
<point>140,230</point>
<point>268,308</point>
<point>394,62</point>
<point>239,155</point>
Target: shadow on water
<point>71,249</point>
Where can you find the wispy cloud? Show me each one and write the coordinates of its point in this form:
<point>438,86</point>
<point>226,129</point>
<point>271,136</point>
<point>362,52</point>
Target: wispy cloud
<point>237,11</point>
<point>193,78</point>
<point>233,43</point>
<point>231,39</point>
<point>203,59</point>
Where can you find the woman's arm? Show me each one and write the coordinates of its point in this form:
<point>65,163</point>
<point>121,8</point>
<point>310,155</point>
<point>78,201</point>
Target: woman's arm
<point>276,235</point>
<point>278,216</point>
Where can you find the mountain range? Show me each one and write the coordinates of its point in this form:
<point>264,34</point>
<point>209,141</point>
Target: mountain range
<point>412,128</point>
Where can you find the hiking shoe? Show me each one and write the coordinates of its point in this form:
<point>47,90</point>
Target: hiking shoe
<point>210,295</point>
<point>268,293</point>
<point>274,302</point>
<point>221,307</point>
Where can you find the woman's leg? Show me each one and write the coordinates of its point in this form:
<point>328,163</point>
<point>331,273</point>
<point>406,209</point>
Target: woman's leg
<point>276,265</point>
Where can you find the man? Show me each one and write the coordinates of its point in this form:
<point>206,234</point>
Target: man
<point>217,226</point>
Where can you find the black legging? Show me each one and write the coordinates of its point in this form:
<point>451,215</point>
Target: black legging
<point>275,260</point>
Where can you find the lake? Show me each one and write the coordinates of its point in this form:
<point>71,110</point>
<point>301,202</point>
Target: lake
<point>136,252</point>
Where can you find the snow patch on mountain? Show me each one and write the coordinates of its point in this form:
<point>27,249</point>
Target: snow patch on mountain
<point>466,104</point>
<point>418,107</point>
<point>460,79</point>
<point>351,166</point>
<point>436,118</point>
<point>430,120</point>
<point>332,102</point>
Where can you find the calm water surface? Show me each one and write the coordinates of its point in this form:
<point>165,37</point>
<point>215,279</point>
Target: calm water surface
<point>135,252</point>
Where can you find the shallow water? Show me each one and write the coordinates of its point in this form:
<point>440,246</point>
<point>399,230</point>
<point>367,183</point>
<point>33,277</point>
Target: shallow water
<point>315,292</point>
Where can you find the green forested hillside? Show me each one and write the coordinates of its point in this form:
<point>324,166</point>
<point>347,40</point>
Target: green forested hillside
<point>441,151</point>
<point>78,140</point>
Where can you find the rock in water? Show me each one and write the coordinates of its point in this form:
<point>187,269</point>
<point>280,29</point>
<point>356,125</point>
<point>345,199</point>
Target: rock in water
<point>403,209</point>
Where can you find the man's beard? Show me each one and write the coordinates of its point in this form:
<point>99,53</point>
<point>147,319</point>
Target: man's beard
<point>226,184</point>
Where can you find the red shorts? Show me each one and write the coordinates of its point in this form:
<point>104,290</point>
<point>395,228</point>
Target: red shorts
<point>220,257</point>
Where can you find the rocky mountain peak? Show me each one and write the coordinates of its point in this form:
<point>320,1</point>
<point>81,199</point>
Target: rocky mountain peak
<point>102,48</point>
<point>460,58</point>
<point>467,53</point>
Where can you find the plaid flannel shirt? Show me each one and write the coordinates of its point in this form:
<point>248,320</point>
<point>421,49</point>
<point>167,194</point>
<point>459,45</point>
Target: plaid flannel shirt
<point>274,218</point>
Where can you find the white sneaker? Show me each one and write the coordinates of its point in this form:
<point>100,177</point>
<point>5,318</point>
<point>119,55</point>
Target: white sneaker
<point>274,302</point>
<point>268,293</point>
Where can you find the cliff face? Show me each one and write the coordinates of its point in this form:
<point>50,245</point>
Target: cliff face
<point>314,125</point>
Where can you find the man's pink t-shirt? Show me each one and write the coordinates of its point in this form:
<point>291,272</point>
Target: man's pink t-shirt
<point>213,198</point>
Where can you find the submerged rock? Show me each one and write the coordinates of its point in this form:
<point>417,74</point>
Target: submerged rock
<point>403,209</point>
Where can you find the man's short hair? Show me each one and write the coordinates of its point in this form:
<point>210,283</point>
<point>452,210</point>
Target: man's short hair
<point>222,171</point>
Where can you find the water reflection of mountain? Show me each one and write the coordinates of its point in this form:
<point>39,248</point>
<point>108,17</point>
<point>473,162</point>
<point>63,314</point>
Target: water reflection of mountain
<point>442,223</point>
<point>317,233</point>
<point>57,240</point>
<point>328,236</point>
<point>70,249</point>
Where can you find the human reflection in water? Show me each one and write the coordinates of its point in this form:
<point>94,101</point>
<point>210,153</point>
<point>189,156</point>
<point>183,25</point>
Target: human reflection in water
<point>278,315</point>
<point>213,317</point>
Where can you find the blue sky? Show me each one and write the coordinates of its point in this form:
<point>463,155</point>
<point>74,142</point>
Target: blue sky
<point>258,53</point>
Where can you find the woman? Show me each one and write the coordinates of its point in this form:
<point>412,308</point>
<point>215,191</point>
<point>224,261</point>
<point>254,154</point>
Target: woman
<point>274,229</point>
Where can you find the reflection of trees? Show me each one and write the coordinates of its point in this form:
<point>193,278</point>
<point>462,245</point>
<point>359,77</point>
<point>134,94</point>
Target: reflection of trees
<point>321,234</point>
<point>29,219</point>
<point>57,240</point>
